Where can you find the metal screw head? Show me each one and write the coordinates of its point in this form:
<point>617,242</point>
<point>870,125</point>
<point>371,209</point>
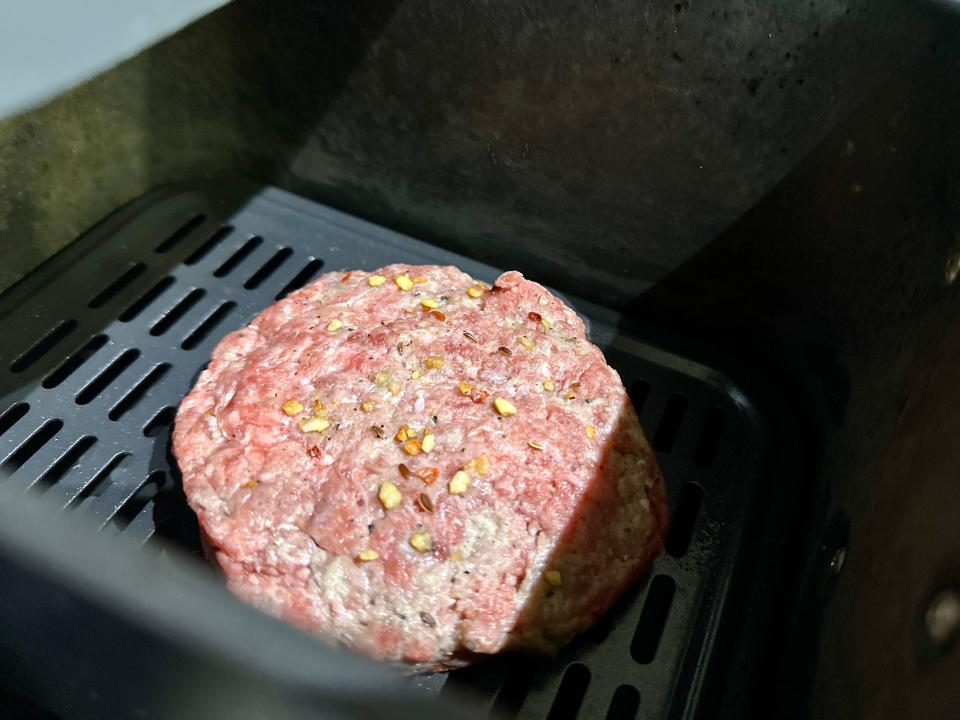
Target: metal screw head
<point>837,561</point>
<point>942,619</point>
<point>952,269</point>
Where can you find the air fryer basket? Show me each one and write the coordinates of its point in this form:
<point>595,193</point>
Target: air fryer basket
<point>108,336</point>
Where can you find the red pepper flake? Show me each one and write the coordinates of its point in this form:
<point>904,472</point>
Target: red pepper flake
<point>438,315</point>
<point>474,393</point>
<point>535,316</point>
<point>313,451</point>
<point>478,395</point>
<point>346,276</point>
<point>429,474</point>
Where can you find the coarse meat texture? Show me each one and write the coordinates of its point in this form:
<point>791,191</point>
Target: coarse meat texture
<point>421,467</point>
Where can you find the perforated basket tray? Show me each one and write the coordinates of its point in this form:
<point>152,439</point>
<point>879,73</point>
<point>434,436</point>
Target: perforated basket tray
<point>102,342</point>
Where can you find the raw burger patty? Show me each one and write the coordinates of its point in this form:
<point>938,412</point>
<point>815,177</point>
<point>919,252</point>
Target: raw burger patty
<point>521,502</point>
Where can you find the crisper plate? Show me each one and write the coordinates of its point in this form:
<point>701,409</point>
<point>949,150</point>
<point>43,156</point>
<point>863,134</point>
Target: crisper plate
<point>103,340</point>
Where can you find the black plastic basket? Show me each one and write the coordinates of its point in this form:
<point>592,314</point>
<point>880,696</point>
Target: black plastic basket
<point>104,339</point>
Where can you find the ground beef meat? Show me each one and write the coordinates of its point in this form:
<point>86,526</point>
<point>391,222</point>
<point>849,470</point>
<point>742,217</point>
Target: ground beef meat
<point>420,466</point>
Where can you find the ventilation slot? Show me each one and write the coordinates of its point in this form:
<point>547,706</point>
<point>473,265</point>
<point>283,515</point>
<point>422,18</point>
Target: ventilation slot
<point>710,438</point>
<point>135,505</point>
<point>601,629</point>
<point>638,394</point>
<point>139,390</point>
<point>624,705</point>
<point>107,376</point>
<point>12,416</point>
<point>684,519</point>
<point>141,303</point>
<point>74,361</point>
<point>182,307</point>
<point>159,422</point>
<point>43,345</point>
<point>68,460</point>
<point>207,326</point>
<point>670,423</point>
<point>99,481</point>
<point>301,278</point>
<point>566,705</point>
<point>178,236</point>
<point>201,252</point>
<point>117,286</point>
<point>29,448</point>
<point>231,263</point>
<point>516,686</point>
<point>653,619</point>
<point>268,269</point>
